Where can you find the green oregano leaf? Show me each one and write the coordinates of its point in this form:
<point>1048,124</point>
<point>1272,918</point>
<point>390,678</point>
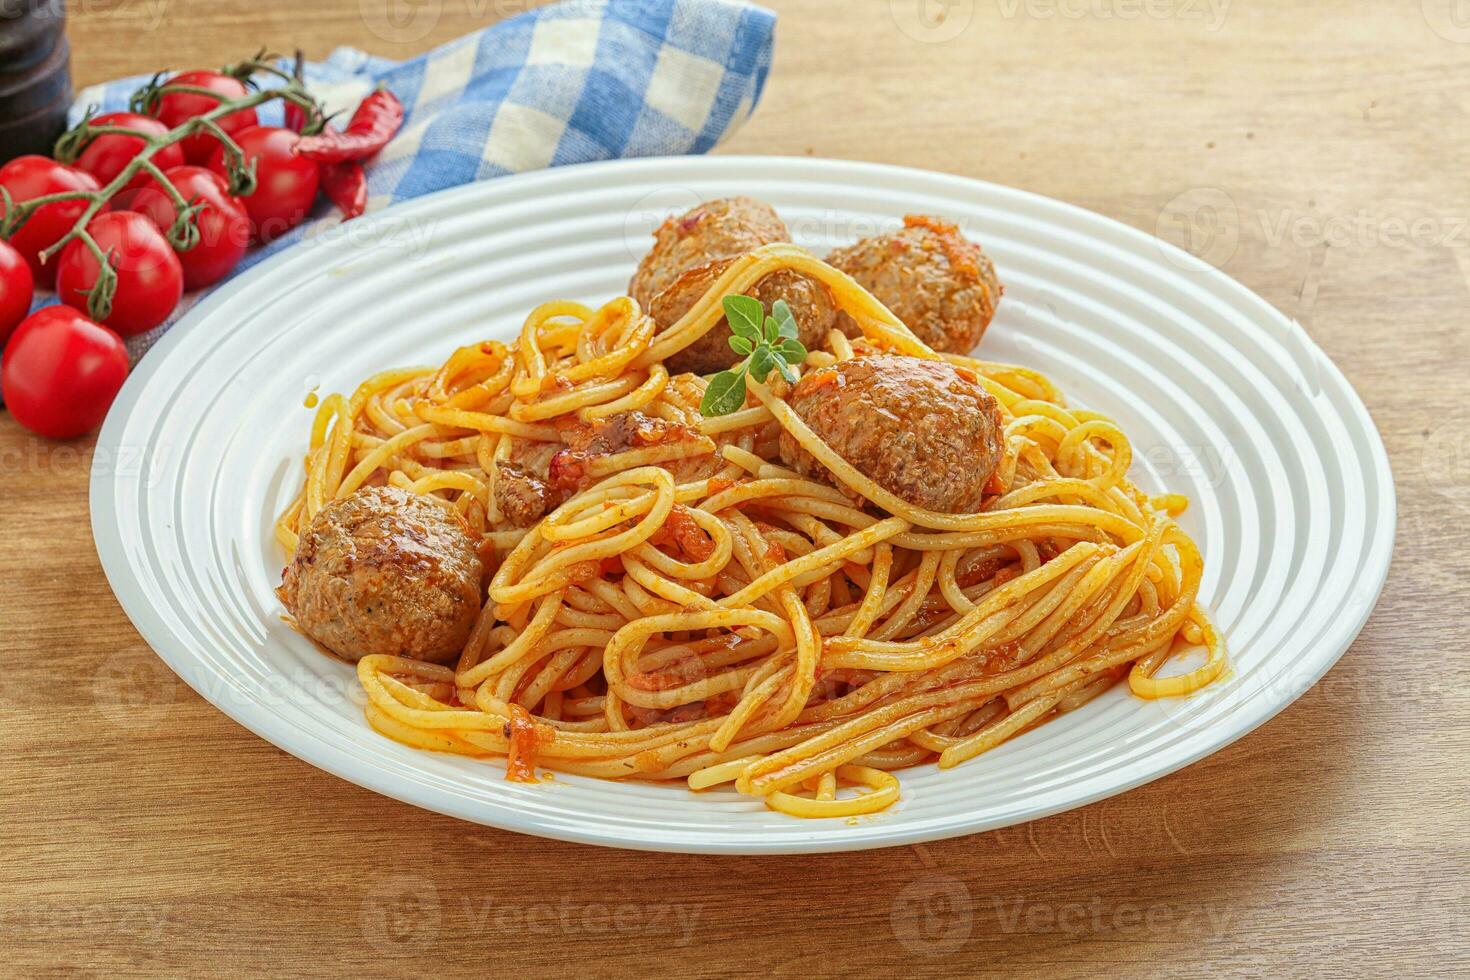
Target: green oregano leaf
<point>768,343</point>
<point>725,394</point>
<point>744,314</point>
<point>762,362</point>
<point>785,322</point>
<point>792,351</point>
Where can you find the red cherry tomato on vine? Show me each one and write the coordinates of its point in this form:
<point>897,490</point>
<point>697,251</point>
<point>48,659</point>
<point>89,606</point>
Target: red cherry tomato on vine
<point>61,372</point>
<point>174,108</point>
<point>30,177</point>
<point>224,229</point>
<point>285,183</point>
<point>123,199</point>
<point>150,279</point>
<point>17,289</point>
<point>106,155</point>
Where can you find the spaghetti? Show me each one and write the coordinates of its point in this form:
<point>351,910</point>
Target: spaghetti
<point>700,612</point>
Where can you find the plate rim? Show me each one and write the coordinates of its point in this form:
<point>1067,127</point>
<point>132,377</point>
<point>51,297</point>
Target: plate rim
<point>105,484</point>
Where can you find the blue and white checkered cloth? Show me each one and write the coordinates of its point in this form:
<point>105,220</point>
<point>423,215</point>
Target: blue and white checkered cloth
<point>575,82</point>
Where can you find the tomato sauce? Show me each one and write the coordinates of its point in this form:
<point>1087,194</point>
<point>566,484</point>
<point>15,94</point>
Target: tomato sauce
<point>683,534</point>
<point>525,739</point>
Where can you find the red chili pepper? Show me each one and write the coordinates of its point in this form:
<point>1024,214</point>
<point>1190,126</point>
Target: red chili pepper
<point>345,185</point>
<point>377,118</point>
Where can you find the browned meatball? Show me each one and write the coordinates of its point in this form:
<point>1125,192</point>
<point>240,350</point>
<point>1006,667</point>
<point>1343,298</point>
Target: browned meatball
<point>712,230</point>
<point>934,279</point>
<point>811,305</point>
<point>692,250</point>
<point>923,430</point>
<point>385,571</point>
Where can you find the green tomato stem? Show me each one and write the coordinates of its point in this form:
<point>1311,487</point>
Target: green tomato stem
<point>100,296</point>
<point>242,173</point>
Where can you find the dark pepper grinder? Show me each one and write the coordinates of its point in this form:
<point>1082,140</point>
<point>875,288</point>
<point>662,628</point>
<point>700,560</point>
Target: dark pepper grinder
<point>35,76</point>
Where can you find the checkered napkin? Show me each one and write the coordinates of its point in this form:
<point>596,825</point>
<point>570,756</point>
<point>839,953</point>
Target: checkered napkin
<point>575,82</point>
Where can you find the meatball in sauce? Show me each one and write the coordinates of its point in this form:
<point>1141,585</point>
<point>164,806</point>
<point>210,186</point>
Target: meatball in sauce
<point>931,277</point>
<point>923,430</point>
<point>713,230</point>
<point>385,571</point>
<point>811,305</point>
<point>693,250</point>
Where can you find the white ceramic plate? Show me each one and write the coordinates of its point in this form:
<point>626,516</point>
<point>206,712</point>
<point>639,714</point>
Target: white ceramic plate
<point>1225,400</point>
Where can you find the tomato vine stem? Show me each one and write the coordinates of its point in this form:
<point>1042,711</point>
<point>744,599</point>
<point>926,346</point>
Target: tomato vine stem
<point>184,233</point>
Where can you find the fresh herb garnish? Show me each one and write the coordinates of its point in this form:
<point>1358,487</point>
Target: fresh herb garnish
<point>768,343</point>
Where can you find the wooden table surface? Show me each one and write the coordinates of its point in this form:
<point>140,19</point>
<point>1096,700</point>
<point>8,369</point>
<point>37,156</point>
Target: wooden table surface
<point>146,833</point>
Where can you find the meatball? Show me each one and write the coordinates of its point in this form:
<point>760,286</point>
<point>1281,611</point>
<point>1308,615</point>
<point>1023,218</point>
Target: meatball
<point>934,279</point>
<point>522,496</point>
<point>811,305</point>
<point>385,571</point>
<point>712,230</point>
<point>923,430</point>
<point>692,250</point>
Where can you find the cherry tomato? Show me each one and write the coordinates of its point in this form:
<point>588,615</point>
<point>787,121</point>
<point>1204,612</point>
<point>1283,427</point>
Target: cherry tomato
<point>123,199</point>
<point>106,155</point>
<point>150,279</point>
<point>61,372</point>
<point>285,184</point>
<point>224,228</point>
<point>17,289</point>
<point>174,108</point>
<point>34,176</point>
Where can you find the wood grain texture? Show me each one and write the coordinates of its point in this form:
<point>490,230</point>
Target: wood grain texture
<point>147,834</point>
